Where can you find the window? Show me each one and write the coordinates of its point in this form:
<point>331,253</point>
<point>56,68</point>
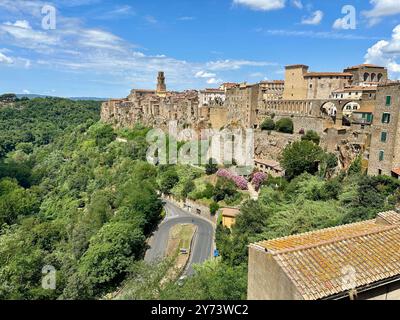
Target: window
<point>381,155</point>
<point>383,136</point>
<point>386,118</point>
<point>388,100</point>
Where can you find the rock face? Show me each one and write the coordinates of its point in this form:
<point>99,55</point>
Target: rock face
<point>270,145</point>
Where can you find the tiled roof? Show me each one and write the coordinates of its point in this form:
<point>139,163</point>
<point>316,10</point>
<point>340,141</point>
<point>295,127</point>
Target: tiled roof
<point>230,212</point>
<point>316,262</point>
<point>365,66</point>
<point>396,171</point>
<point>391,217</point>
<point>328,74</point>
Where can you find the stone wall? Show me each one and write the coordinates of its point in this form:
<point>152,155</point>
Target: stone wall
<point>266,279</point>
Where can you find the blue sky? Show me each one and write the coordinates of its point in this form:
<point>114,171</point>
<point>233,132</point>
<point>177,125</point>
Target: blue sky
<point>104,48</point>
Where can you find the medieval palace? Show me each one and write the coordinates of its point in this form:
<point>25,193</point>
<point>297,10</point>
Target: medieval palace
<point>356,112</point>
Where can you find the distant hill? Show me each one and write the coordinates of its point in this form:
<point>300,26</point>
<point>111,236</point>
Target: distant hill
<point>33,96</point>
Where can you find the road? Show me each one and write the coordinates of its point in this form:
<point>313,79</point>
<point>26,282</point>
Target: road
<point>202,242</point>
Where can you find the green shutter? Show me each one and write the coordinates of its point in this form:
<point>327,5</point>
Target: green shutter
<point>388,100</point>
<point>383,136</point>
<point>386,118</point>
<point>381,155</point>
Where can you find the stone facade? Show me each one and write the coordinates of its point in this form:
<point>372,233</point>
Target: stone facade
<point>344,108</point>
<point>385,142</point>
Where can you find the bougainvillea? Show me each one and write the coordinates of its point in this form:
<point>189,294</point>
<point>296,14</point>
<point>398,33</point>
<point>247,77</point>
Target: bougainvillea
<point>239,181</point>
<point>258,179</point>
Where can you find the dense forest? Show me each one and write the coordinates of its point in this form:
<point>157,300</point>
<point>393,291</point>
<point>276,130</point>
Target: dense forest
<point>74,197</point>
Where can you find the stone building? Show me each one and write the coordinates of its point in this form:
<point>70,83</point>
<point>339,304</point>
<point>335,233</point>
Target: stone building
<point>210,97</point>
<point>272,90</point>
<point>367,74</point>
<point>154,107</point>
<point>359,261</point>
<point>295,84</point>
<point>385,138</point>
<point>241,103</point>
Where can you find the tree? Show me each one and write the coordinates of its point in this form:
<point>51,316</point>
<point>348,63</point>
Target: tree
<point>214,207</point>
<point>268,124</point>
<point>168,180</point>
<point>300,157</point>
<point>311,136</point>
<point>110,254</point>
<point>223,189</point>
<point>285,125</point>
<point>211,167</point>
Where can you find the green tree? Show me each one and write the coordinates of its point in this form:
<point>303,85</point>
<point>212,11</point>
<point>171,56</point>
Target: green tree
<point>311,136</point>
<point>211,167</point>
<point>168,181</point>
<point>285,125</point>
<point>268,124</point>
<point>300,157</point>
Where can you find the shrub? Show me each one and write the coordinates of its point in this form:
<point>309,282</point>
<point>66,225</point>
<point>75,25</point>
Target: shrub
<point>268,124</point>
<point>285,125</point>
<point>311,136</point>
<point>258,179</point>
<point>214,207</point>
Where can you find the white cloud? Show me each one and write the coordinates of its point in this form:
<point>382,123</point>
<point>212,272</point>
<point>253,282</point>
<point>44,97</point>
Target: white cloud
<point>316,35</point>
<point>204,74</point>
<point>25,91</point>
<point>340,24</point>
<point>236,64</point>
<point>382,8</point>
<point>386,52</point>
<point>264,5</point>
<point>23,34</point>
<point>214,81</point>
<point>298,4</point>
<point>314,19</point>
<point>5,59</point>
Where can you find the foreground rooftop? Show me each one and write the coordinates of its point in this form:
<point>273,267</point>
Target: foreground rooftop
<point>314,261</point>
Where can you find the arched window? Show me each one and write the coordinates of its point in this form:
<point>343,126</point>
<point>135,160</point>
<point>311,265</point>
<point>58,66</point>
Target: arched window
<point>380,76</point>
<point>373,76</point>
<point>366,76</point>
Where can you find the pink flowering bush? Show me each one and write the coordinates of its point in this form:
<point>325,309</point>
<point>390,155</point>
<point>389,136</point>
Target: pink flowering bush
<point>258,179</point>
<point>223,173</point>
<point>239,181</point>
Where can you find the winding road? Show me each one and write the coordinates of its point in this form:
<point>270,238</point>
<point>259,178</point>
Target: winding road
<point>202,241</point>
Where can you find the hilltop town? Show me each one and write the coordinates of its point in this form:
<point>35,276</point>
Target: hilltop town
<point>352,111</point>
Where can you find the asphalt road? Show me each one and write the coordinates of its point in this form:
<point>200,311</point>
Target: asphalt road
<point>202,243</point>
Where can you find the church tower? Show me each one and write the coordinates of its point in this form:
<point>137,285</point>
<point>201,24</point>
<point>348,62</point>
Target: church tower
<point>161,86</point>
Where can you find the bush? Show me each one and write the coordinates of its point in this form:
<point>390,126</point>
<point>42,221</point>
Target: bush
<point>211,167</point>
<point>285,125</point>
<point>311,136</point>
<point>268,124</point>
<point>214,207</point>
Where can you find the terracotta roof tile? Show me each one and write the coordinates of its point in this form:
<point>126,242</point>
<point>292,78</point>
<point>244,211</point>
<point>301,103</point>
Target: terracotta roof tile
<point>315,262</point>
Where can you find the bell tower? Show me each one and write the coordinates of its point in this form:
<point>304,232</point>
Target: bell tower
<point>161,86</point>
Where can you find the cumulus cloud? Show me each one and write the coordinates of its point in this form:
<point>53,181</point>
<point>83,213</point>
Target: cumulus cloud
<point>263,5</point>
<point>380,9</point>
<point>314,19</point>
<point>214,81</point>
<point>204,74</point>
<point>5,59</point>
<point>386,52</point>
